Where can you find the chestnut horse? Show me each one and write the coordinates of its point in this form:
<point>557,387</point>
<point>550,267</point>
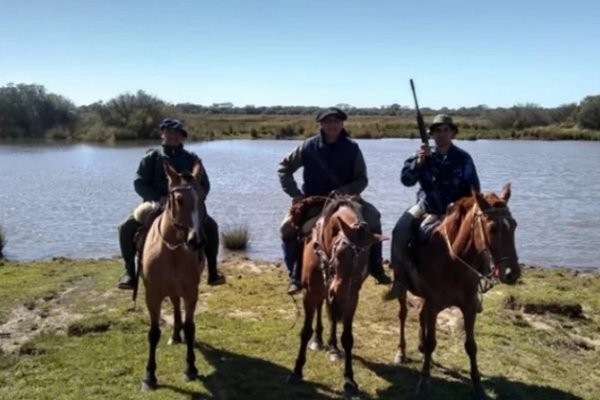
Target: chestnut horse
<point>334,267</point>
<point>172,262</point>
<point>477,230</point>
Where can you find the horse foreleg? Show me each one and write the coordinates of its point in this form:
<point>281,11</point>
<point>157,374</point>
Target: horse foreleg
<point>176,336</point>
<point>305,334</point>
<point>430,317</point>
<point>469,315</point>
<point>317,342</point>
<point>334,352</point>
<point>189,329</point>
<point>401,355</point>
<point>350,386</point>
<point>422,326</point>
<point>150,382</point>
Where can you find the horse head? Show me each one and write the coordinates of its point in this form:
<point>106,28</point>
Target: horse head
<point>495,234</point>
<point>351,241</point>
<point>185,203</point>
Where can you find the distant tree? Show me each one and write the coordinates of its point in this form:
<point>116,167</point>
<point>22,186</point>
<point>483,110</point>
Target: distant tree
<point>589,113</point>
<point>28,111</point>
<point>136,116</point>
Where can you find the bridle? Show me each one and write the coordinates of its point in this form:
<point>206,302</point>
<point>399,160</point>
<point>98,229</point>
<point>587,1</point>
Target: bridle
<point>176,224</point>
<point>327,263</point>
<point>486,281</point>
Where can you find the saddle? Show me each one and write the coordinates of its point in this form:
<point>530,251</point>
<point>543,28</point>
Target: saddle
<point>145,214</point>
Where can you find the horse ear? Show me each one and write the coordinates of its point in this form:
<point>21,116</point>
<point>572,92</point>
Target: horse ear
<point>347,229</point>
<point>197,170</point>
<point>481,202</point>
<point>170,172</point>
<point>505,195</point>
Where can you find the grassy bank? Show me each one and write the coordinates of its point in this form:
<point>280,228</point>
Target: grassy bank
<point>222,126</point>
<point>537,340</point>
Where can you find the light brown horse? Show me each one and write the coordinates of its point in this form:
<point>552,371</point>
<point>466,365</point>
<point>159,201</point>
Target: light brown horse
<point>172,263</point>
<point>476,230</point>
<point>334,267</point>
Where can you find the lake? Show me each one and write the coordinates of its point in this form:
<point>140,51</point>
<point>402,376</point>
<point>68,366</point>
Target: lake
<point>67,199</point>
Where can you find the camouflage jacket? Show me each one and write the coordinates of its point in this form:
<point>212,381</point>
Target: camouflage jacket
<point>443,179</point>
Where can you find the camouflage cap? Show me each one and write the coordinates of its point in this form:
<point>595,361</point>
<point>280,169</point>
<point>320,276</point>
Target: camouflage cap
<point>442,119</point>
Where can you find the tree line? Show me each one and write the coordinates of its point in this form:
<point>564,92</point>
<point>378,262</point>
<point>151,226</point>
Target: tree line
<point>30,111</point>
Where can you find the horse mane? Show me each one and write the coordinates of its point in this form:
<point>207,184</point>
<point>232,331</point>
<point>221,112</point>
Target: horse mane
<point>299,210</point>
<point>461,207</point>
<point>335,203</point>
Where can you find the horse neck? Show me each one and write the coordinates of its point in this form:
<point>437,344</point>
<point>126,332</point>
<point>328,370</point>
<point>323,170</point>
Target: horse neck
<point>167,225</point>
<point>462,235</point>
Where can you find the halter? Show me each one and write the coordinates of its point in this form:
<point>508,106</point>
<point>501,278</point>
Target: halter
<point>174,222</point>
<point>486,282</point>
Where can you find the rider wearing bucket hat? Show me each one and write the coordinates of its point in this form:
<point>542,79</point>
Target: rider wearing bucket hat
<point>152,186</point>
<point>331,162</point>
<point>445,173</point>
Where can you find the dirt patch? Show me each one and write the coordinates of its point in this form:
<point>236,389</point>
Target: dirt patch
<point>47,314</point>
<point>570,310</point>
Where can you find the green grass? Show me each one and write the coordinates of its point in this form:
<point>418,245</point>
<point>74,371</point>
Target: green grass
<point>246,341</point>
<point>235,238</point>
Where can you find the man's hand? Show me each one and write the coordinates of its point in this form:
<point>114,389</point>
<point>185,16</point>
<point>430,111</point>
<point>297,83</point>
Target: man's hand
<point>422,154</point>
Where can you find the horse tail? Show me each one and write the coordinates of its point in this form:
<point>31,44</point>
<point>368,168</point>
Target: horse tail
<point>136,279</point>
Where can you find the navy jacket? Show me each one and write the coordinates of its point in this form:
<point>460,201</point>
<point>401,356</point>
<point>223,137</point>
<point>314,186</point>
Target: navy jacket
<point>336,166</point>
<point>443,179</point>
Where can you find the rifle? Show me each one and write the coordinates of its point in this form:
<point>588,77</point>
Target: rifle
<point>420,122</point>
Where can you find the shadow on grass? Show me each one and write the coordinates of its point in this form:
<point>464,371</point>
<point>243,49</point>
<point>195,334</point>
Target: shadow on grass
<point>238,376</point>
<point>403,380</point>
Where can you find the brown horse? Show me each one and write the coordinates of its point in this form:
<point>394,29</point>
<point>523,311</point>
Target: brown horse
<point>334,266</point>
<point>476,230</point>
<point>172,263</point>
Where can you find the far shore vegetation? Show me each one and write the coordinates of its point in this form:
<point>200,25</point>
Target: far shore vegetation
<point>29,111</point>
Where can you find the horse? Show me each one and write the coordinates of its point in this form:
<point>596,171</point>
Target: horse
<point>172,263</point>
<point>451,271</point>
<point>334,267</point>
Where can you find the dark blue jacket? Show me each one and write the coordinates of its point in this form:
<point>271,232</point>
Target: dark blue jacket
<point>327,166</point>
<point>443,179</point>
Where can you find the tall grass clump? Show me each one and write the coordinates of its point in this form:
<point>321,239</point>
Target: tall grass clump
<point>236,237</point>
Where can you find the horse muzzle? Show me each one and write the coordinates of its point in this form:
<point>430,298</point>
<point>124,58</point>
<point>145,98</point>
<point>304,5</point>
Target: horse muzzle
<point>508,271</point>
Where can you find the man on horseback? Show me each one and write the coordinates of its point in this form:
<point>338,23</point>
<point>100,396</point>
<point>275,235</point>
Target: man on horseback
<point>333,163</point>
<point>445,174</point>
<point>151,185</point>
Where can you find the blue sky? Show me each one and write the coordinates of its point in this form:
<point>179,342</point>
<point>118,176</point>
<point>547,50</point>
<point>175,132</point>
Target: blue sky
<point>293,52</point>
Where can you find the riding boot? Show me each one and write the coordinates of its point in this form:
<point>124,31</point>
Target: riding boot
<point>376,264</point>
<point>211,250</point>
<point>127,230</point>
<point>401,260</point>
<point>290,256</point>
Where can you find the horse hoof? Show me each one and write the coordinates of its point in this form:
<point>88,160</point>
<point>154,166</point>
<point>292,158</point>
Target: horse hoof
<point>173,341</point>
<point>148,386</point>
<point>479,394</point>
<point>315,346</point>
<point>350,390</point>
<point>400,359</point>
<point>334,356</point>
<point>294,378</point>
<point>423,388</point>
<point>190,376</point>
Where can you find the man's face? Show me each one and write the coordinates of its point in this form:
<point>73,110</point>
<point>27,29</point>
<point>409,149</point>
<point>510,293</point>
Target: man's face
<point>442,135</point>
<point>331,127</point>
<point>171,137</point>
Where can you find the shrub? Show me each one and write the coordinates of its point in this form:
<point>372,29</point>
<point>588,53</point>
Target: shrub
<point>236,238</point>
